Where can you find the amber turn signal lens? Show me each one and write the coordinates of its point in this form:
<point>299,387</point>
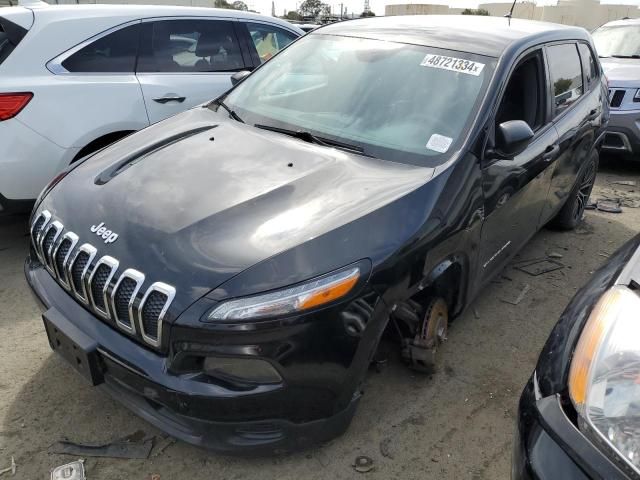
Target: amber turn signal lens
<point>602,317</point>
<point>330,293</point>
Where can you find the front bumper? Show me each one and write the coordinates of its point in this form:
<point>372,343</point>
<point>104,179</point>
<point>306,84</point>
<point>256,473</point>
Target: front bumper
<point>548,445</point>
<point>623,132</point>
<point>263,419</point>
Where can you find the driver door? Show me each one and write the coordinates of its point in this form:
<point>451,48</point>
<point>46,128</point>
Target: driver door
<point>515,189</point>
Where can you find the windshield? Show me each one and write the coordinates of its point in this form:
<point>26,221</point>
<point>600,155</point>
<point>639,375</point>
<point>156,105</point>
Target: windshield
<point>623,41</point>
<point>389,100</point>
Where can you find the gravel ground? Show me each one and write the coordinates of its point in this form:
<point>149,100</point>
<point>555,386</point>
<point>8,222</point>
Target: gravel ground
<point>456,424</point>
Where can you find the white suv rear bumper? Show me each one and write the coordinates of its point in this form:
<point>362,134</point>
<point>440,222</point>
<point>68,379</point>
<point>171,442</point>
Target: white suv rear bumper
<point>28,161</point>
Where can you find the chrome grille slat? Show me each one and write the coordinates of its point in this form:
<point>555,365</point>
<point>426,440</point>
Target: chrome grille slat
<point>61,258</point>
<point>80,291</point>
<point>73,268</point>
<point>155,337</point>
<point>119,297</point>
<point>97,286</point>
<point>39,224</point>
<point>47,242</point>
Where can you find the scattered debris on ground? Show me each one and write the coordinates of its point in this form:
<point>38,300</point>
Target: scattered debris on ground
<point>162,445</point>
<point>538,267</point>
<point>519,298</point>
<point>609,206</point>
<point>11,469</point>
<point>623,192</point>
<point>630,183</point>
<point>363,464</point>
<point>385,449</point>
<point>555,255</point>
<point>128,447</point>
<point>69,471</point>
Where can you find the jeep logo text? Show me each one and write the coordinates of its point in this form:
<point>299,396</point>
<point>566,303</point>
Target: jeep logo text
<point>107,235</point>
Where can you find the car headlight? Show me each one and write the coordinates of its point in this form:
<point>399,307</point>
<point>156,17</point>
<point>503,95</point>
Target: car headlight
<point>636,97</point>
<point>604,379</point>
<point>295,299</point>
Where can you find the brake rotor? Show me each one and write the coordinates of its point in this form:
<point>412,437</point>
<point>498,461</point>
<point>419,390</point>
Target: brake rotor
<point>435,324</point>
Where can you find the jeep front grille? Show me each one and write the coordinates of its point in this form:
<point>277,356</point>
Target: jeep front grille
<point>116,298</point>
<point>615,97</point>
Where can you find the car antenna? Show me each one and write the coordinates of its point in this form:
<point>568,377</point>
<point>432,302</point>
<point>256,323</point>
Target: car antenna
<point>510,14</point>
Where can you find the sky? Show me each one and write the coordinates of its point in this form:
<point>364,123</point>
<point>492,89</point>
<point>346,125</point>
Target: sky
<point>264,6</point>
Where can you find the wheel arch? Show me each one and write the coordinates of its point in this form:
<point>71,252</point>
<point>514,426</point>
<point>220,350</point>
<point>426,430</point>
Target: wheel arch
<point>448,278</point>
<point>101,142</point>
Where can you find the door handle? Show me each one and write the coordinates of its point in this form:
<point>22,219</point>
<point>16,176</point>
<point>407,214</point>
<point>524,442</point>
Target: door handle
<point>594,113</point>
<point>550,153</point>
<point>169,98</point>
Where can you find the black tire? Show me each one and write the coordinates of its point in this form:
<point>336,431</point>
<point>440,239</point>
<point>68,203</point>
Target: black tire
<point>571,213</point>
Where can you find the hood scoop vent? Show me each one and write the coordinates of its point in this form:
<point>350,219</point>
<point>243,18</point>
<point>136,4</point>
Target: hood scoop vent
<point>136,156</point>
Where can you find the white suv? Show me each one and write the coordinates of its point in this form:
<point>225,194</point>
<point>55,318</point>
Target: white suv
<point>76,78</point>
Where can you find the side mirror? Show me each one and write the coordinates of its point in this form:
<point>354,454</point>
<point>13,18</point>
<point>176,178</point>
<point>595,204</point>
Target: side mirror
<point>512,137</point>
<point>239,76</point>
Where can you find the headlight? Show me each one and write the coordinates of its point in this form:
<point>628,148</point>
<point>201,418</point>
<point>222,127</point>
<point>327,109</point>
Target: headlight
<point>636,97</point>
<point>290,300</point>
<point>604,379</point>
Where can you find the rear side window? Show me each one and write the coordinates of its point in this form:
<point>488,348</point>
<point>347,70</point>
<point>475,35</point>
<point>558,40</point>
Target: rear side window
<point>268,40</point>
<point>10,36</point>
<point>588,65</point>
<point>113,53</point>
<point>189,46</point>
<point>566,75</point>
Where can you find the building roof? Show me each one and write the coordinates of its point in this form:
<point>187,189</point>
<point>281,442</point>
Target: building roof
<point>131,11</point>
<point>477,34</point>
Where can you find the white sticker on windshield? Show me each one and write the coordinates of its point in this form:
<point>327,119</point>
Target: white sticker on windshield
<point>439,143</point>
<point>452,63</point>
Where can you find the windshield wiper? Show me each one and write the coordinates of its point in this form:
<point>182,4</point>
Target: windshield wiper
<point>232,114</point>
<point>311,138</point>
<point>301,134</point>
<point>625,56</point>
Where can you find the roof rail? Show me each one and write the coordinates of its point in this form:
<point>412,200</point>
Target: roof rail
<point>32,3</point>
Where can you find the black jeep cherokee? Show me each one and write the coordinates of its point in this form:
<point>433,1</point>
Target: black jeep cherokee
<point>228,273</point>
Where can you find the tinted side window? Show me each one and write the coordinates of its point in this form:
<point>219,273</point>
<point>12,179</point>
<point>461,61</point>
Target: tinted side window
<point>268,40</point>
<point>588,65</point>
<point>190,46</point>
<point>566,75</point>
<point>113,53</point>
<point>524,96</point>
<point>10,36</point>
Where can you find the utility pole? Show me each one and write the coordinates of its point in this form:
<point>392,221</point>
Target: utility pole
<point>341,5</point>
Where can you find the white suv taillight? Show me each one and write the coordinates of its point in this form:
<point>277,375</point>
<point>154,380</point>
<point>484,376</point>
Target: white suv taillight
<point>12,104</point>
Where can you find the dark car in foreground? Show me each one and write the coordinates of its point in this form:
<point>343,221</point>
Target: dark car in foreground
<point>228,273</point>
<point>579,415</point>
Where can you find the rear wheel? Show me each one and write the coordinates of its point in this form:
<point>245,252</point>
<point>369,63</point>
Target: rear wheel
<point>572,212</point>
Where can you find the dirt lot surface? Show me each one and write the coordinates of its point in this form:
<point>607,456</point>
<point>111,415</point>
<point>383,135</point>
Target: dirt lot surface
<point>456,424</point>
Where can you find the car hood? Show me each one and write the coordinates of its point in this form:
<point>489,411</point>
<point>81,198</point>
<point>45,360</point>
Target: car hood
<point>198,198</point>
<point>622,72</point>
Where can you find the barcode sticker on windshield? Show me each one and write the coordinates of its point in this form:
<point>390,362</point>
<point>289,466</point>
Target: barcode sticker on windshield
<point>439,143</point>
<point>452,63</point>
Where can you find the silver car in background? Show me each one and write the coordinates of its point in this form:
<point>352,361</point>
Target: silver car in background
<point>618,45</point>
